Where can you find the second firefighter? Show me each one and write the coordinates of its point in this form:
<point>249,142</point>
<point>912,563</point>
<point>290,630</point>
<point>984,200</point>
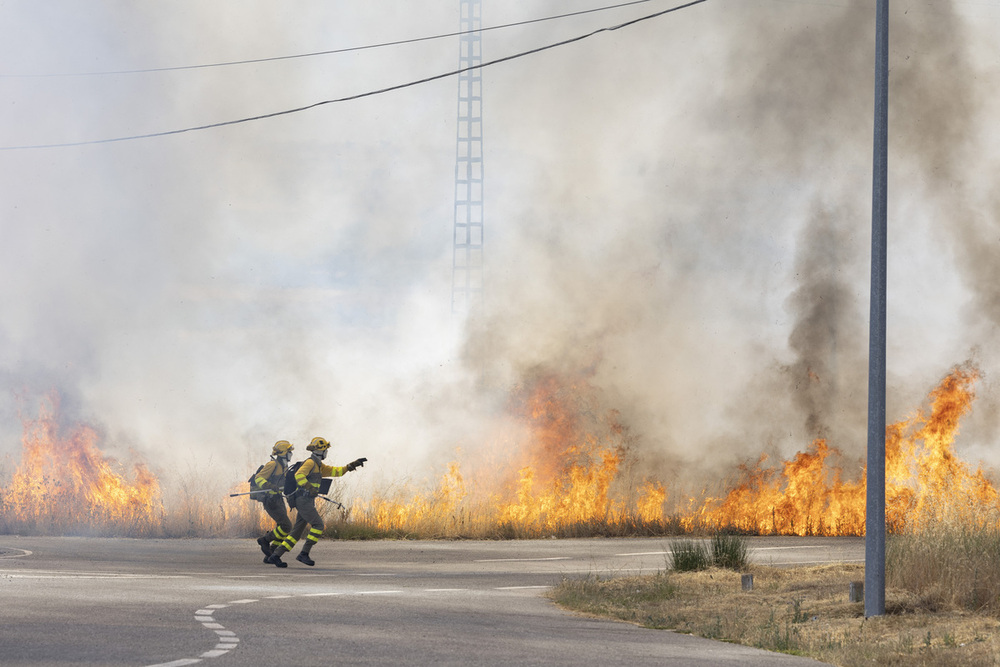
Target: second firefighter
<point>270,479</point>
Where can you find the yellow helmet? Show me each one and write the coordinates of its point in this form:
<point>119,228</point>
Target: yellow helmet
<point>282,448</point>
<point>318,445</point>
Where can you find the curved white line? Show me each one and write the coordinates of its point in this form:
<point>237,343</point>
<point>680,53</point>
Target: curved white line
<point>227,639</point>
<point>24,552</point>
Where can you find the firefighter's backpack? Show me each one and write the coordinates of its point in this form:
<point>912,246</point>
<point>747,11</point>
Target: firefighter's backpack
<point>253,485</point>
<point>291,486</point>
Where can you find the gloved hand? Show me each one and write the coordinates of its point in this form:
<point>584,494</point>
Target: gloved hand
<point>354,465</point>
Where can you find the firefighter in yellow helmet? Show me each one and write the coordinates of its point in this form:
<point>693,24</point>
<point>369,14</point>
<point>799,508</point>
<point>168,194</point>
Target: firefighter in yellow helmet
<point>270,479</point>
<point>308,478</point>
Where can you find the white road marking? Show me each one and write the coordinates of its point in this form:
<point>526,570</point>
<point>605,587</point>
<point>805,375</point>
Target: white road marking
<point>228,641</point>
<point>814,562</point>
<point>520,560</point>
<point>57,574</point>
<point>780,548</point>
<point>753,549</point>
<point>24,552</point>
<point>214,653</point>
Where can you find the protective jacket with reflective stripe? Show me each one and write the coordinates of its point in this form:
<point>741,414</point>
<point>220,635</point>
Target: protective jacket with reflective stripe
<point>312,471</point>
<point>271,476</point>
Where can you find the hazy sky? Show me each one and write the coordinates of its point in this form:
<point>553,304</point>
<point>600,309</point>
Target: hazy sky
<point>681,209</point>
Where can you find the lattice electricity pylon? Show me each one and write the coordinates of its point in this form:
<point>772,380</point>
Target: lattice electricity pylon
<point>467,266</point>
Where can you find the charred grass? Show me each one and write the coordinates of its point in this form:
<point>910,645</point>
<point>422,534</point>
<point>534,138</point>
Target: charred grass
<point>806,610</point>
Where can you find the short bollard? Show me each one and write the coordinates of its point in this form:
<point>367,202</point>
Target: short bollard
<point>857,591</point>
<point>747,581</point>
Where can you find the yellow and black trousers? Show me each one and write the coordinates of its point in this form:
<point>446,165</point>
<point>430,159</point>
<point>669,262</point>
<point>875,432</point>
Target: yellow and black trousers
<point>305,505</point>
<point>274,505</point>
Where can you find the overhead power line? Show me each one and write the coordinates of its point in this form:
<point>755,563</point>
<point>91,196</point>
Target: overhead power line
<point>358,96</point>
<point>313,54</point>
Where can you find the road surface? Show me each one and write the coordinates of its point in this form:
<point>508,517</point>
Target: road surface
<point>213,603</point>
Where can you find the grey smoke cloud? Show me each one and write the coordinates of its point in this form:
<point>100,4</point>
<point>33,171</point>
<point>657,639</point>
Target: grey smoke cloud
<point>680,209</point>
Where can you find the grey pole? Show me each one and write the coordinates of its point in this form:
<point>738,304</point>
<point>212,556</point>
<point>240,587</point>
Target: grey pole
<point>875,491</point>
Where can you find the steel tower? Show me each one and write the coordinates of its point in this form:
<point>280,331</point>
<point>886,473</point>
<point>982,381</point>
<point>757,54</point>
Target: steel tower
<point>467,265</point>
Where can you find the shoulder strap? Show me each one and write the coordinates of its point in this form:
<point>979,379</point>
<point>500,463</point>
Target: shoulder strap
<point>277,473</point>
<point>253,477</point>
<point>290,484</point>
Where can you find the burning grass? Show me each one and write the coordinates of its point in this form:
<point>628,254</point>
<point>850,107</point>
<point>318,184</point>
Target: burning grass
<point>64,484</point>
<point>578,478</point>
<point>925,480</point>
<point>568,468</point>
<point>570,471</point>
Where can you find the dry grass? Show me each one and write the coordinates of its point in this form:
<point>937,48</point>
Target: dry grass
<point>803,611</point>
<point>950,565</point>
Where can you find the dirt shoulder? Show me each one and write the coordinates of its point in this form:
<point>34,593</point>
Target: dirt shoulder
<point>802,610</point>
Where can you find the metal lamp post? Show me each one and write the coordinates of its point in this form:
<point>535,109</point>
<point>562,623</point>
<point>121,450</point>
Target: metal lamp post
<point>875,477</point>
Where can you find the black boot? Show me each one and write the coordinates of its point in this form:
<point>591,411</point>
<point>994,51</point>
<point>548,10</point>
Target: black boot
<point>304,558</point>
<point>265,546</point>
<point>275,558</point>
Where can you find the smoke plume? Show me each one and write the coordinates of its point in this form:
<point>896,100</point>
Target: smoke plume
<point>678,211</point>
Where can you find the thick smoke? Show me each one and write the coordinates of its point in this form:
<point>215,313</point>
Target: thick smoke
<point>705,251</point>
<point>827,377</point>
<point>678,211</point>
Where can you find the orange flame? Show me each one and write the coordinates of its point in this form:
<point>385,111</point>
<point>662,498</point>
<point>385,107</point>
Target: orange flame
<point>577,466</point>
<point>926,482</point>
<point>807,497</point>
<point>573,467</point>
<point>64,483</point>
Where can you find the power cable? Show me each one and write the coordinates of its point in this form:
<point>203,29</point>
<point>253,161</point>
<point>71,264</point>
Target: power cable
<point>359,95</point>
<point>323,53</point>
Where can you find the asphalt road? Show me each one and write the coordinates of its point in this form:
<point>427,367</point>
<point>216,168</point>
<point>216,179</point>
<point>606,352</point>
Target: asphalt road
<point>108,602</point>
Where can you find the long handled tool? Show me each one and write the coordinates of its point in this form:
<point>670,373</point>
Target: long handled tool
<point>331,500</point>
<point>248,493</point>
<point>291,496</point>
